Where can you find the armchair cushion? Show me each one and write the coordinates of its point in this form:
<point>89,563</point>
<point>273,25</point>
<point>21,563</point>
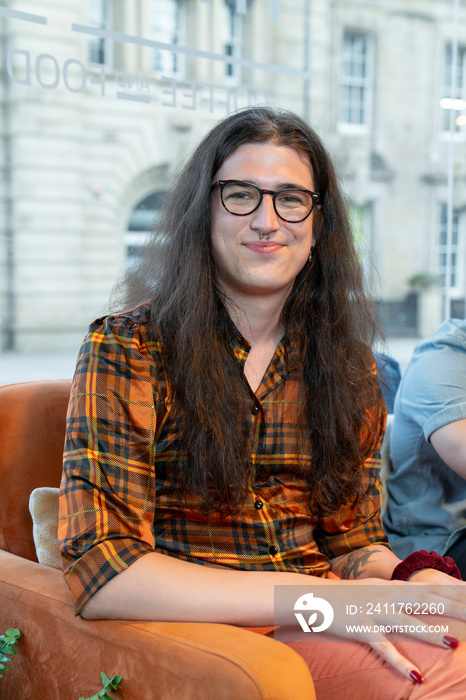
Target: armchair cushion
<point>43,506</point>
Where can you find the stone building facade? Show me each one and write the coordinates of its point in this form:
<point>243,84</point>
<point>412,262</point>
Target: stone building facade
<point>103,99</point>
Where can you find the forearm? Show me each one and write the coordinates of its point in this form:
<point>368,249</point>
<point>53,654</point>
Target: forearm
<point>375,561</point>
<point>449,442</point>
<point>159,587</point>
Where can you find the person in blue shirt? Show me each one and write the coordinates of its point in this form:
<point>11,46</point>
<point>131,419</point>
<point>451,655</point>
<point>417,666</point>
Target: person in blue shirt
<point>427,486</point>
<point>388,370</point>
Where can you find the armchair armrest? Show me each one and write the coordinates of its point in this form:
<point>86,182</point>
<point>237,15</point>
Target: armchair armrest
<point>61,656</point>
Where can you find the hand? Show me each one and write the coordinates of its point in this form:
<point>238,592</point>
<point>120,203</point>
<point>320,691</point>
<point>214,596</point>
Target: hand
<point>435,577</point>
<point>397,606</point>
<point>440,588</point>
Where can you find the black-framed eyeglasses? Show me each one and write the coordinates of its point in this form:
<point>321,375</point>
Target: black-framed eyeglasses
<point>243,198</point>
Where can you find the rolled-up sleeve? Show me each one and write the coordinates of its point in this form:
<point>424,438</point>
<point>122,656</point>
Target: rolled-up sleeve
<point>358,525</point>
<point>107,492</point>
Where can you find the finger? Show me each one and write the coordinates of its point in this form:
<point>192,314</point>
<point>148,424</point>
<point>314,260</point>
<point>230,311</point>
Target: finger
<point>454,598</point>
<point>431,629</point>
<point>392,656</point>
<point>444,601</point>
<point>452,608</point>
<point>448,591</point>
<point>438,630</point>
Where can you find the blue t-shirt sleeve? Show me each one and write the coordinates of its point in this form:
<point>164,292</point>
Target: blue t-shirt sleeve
<point>433,390</point>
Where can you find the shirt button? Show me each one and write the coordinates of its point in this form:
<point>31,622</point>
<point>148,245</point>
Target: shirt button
<point>254,410</point>
<point>273,550</point>
<point>258,504</point>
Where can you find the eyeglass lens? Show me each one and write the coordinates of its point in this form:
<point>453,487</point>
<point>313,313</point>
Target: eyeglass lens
<point>243,198</point>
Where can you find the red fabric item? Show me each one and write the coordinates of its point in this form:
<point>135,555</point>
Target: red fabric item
<point>424,560</point>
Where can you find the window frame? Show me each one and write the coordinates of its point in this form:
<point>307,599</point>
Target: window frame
<point>177,37</point>
<point>142,220</point>
<point>364,83</point>
<point>457,263</point>
<point>232,36</point>
<point>459,91</point>
<point>106,21</point>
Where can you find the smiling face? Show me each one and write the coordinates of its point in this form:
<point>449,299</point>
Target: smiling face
<point>248,265</point>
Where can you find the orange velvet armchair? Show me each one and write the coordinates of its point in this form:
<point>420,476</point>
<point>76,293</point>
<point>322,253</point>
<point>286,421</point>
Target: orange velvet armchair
<point>60,656</point>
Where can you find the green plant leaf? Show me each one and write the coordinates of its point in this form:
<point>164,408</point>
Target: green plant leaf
<point>108,683</point>
<point>7,640</point>
<point>13,633</point>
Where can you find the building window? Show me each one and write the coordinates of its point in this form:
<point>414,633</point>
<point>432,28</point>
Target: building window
<point>167,20</point>
<point>141,222</point>
<point>232,31</point>
<point>454,98</point>
<point>456,254</point>
<point>356,79</point>
<point>101,17</point>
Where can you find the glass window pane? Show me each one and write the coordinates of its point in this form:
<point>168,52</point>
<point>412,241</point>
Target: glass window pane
<point>167,26</point>
<point>100,14</point>
<point>355,83</point>
<point>93,125</point>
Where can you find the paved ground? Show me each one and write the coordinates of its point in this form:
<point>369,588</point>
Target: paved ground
<point>24,368</point>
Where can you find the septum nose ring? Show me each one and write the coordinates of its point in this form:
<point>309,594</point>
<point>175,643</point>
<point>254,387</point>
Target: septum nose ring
<point>268,236</point>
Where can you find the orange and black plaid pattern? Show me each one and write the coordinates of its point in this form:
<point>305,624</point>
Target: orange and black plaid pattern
<point>123,438</point>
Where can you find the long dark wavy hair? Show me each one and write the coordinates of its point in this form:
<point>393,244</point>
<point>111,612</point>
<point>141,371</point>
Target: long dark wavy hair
<point>327,316</point>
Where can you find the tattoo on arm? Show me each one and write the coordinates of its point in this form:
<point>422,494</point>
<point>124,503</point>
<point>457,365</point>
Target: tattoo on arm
<point>355,563</point>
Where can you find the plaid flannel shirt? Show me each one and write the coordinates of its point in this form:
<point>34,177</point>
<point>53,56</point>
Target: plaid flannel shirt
<point>117,502</point>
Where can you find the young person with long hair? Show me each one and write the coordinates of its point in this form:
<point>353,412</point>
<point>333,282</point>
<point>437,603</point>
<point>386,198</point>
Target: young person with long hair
<point>224,430</point>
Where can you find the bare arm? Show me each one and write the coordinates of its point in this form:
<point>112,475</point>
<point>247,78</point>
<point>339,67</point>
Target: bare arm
<point>159,587</point>
<point>449,441</point>
<point>375,561</point>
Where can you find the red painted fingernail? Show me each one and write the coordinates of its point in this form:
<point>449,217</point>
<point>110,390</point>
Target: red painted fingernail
<point>417,678</point>
<point>450,641</point>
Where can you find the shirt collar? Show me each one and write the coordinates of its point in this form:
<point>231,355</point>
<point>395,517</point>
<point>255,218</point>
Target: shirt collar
<point>283,360</point>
